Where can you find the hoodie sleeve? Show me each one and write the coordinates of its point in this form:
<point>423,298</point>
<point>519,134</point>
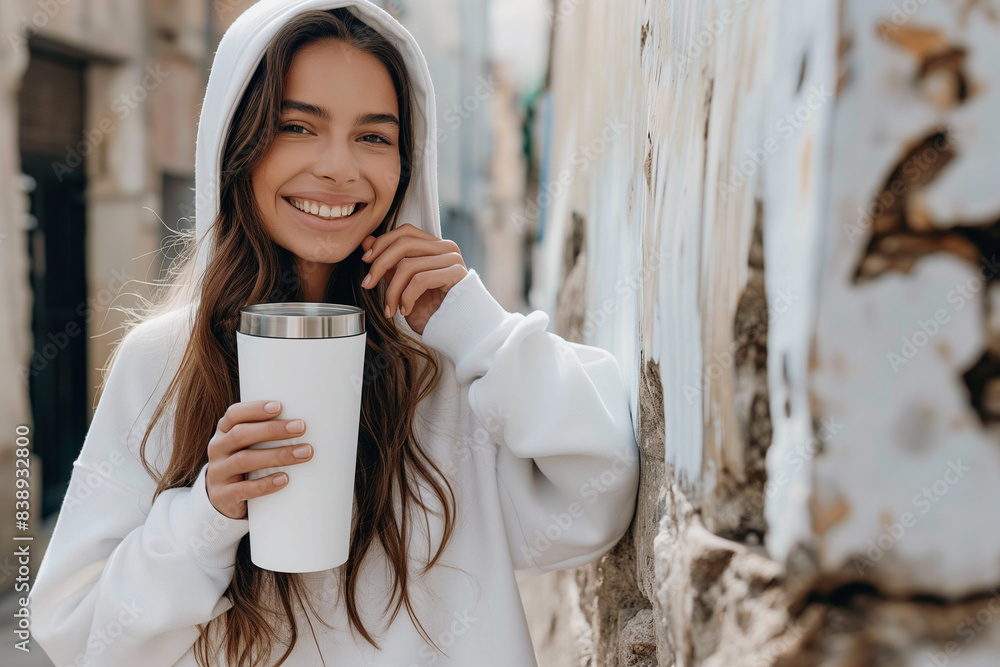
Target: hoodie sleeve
<point>567,461</point>
<point>125,582</point>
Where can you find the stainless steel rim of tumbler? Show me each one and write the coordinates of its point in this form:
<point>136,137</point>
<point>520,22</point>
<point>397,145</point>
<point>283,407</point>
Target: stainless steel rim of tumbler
<point>295,319</point>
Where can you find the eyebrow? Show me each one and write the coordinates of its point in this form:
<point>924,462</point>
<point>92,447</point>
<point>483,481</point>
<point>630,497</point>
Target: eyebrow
<point>370,118</point>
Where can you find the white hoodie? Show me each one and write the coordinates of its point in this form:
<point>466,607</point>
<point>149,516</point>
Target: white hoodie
<point>535,433</point>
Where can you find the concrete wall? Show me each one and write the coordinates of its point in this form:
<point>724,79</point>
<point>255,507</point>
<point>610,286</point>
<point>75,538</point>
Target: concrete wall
<point>781,217</point>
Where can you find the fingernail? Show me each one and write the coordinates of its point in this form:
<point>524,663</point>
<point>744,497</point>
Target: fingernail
<point>301,451</point>
<point>295,426</point>
<point>402,310</point>
<point>387,312</point>
<point>368,253</point>
<point>273,406</point>
<point>280,479</point>
<point>368,279</point>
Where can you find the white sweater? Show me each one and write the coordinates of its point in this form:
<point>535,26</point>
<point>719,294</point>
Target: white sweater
<point>536,435</point>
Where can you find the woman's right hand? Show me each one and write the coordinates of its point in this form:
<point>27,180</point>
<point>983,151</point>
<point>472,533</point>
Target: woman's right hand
<point>229,460</point>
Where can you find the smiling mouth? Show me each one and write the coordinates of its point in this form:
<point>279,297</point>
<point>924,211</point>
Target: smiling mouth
<point>357,209</point>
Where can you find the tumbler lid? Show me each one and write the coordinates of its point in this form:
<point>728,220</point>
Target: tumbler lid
<point>298,319</point>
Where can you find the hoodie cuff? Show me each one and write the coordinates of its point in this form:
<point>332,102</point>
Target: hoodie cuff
<point>466,317</point>
<point>211,537</point>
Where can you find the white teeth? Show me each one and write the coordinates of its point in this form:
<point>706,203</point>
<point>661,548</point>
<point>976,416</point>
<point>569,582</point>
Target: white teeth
<point>324,210</point>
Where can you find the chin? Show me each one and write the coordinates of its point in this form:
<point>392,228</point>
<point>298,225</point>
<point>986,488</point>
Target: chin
<point>321,250</point>
<point>322,259</point>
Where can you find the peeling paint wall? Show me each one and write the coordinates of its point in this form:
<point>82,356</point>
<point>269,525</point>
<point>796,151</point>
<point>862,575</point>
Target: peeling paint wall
<point>782,218</point>
<point>909,293</point>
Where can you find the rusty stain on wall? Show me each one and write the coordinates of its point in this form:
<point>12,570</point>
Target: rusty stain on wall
<point>901,233</point>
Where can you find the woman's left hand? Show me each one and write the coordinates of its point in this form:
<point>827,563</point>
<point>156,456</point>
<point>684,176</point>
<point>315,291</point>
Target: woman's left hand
<point>419,268</point>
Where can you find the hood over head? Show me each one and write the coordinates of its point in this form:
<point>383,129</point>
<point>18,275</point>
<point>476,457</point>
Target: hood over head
<point>240,52</point>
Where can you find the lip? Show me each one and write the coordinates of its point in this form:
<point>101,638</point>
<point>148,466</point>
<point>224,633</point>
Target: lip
<point>319,224</point>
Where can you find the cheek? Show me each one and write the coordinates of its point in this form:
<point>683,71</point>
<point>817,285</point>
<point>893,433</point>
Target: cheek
<point>261,185</point>
<point>268,176</point>
<point>265,200</point>
<point>390,171</point>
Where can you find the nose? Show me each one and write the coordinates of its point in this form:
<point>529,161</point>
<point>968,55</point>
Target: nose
<point>336,162</point>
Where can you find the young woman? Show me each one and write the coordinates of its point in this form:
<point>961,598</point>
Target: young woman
<point>487,445</point>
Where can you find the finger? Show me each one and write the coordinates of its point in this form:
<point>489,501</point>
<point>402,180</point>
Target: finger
<point>250,460</point>
<point>246,411</point>
<point>443,278</point>
<point>368,242</point>
<point>249,433</point>
<point>408,247</point>
<point>382,245</point>
<point>389,237</point>
<point>411,269</point>
<point>254,488</point>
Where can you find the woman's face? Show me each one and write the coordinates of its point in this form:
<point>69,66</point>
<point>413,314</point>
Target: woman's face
<point>337,144</point>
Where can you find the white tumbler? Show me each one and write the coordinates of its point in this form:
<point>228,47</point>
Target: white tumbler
<point>309,356</point>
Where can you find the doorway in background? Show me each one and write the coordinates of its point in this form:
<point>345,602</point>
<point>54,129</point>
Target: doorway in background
<point>51,116</point>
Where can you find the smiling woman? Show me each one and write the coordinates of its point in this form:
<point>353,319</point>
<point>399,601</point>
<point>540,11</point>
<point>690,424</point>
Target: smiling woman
<point>478,427</point>
<point>337,145</point>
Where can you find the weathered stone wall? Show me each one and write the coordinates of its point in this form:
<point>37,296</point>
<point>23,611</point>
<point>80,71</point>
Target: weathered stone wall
<point>781,217</point>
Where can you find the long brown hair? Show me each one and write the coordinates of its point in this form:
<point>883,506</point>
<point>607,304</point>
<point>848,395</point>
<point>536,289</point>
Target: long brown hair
<point>247,267</point>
